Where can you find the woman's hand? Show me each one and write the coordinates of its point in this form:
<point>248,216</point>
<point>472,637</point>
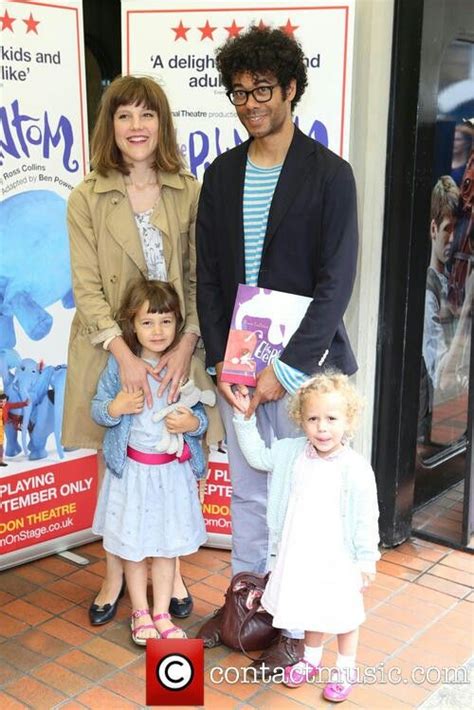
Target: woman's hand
<point>133,376</point>
<point>133,370</point>
<point>178,363</point>
<point>127,403</point>
<point>181,421</point>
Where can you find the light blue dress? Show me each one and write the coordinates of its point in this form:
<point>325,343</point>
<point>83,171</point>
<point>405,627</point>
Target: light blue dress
<point>152,511</point>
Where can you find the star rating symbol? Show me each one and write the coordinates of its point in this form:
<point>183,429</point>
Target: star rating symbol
<point>233,30</point>
<point>180,31</point>
<point>31,24</point>
<point>207,31</point>
<point>7,21</point>
<point>289,29</point>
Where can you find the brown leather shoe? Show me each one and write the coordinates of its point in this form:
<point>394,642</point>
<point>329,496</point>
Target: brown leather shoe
<point>284,652</point>
<point>210,631</point>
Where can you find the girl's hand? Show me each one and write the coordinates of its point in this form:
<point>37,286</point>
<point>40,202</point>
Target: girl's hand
<point>127,403</point>
<point>132,369</point>
<point>229,391</point>
<point>367,579</point>
<point>243,401</point>
<point>181,421</point>
<point>178,363</point>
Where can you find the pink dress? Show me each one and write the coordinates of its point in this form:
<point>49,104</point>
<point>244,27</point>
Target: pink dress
<point>315,585</point>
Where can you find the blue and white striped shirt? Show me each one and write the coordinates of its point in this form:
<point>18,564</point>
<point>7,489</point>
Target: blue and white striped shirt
<point>289,377</point>
<point>259,187</point>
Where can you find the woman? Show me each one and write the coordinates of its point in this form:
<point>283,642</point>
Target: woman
<point>133,214</point>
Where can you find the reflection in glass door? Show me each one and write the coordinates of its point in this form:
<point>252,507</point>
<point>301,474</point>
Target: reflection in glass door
<point>443,421</point>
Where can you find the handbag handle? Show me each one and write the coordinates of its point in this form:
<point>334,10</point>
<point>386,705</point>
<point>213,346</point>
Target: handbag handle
<point>246,619</point>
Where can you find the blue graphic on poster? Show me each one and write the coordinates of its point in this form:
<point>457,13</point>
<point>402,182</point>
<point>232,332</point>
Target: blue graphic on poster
<point>43,156</point>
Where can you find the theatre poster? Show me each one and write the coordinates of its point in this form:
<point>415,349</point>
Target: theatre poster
<point>47,495</point>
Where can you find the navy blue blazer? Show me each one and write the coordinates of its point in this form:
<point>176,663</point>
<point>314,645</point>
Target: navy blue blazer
<point>310,248</point>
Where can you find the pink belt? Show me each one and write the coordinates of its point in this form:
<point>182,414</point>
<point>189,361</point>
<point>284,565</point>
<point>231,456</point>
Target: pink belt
<point>154,459</point>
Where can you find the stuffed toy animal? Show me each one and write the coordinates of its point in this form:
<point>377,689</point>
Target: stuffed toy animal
<point>189,396</point>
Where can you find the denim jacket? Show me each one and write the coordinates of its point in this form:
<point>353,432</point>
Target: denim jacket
<point>118,428</point>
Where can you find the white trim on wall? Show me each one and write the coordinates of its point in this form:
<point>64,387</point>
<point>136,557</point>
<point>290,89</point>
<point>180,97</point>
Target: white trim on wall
<point>369,118</point>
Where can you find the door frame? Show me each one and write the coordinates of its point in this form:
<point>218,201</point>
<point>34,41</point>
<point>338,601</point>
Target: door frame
<point>422,30</point>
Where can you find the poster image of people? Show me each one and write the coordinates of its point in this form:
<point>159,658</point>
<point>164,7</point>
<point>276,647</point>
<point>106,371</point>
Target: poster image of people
<point>443,411</point>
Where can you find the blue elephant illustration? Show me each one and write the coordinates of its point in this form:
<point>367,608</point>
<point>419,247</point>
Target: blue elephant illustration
<point>9,359</point>
<point>43,387</point>
<point>34,269</point>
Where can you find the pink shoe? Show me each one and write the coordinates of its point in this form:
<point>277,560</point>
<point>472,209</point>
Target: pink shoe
<point>140,640</point>
<point>168,632</point>
<point>341,688</point>
<point>299,674</point>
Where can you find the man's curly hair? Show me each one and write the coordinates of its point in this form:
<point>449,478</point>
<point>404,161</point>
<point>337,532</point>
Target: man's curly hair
<point>260,50</point>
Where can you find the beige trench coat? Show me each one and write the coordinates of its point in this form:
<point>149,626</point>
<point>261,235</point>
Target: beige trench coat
<point>106,253</point>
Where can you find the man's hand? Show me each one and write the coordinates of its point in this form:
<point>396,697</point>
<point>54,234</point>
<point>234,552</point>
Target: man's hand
<point>227,391</point>
<point>127,403</point>
<point>268,389</point>
<point>181,421</point>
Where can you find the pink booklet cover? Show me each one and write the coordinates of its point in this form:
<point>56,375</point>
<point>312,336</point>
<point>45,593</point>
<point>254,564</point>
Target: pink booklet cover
<point>263,322</point>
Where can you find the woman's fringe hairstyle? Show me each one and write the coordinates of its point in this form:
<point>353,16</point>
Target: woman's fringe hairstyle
<point>135,91</point>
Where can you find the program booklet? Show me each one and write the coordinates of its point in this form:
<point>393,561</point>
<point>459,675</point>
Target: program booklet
<point>263,322</point>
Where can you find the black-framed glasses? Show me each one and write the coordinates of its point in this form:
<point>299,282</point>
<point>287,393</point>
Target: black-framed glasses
<point>261,94</point>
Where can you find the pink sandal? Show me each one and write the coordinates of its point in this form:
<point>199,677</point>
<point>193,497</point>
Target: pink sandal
<point>165,634</point>
<point>341,686</point>
<point>300,673</point>
<point>140,641</point>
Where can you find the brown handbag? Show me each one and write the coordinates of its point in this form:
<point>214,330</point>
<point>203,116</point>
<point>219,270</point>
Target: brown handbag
<point>246,626</point>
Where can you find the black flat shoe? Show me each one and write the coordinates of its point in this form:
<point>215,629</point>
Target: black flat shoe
<point>181,608</point>
<point>99,615</point>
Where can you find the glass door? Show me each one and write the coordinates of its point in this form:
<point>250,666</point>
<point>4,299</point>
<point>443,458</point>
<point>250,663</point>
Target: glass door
<point>442,482</point>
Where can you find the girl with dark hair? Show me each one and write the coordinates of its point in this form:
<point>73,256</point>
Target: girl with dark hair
<point>148,505</point>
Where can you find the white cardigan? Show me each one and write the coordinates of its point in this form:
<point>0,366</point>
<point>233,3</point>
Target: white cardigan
<point>359,508</point>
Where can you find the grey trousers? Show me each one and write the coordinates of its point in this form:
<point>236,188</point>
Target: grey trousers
<point>250,551</point>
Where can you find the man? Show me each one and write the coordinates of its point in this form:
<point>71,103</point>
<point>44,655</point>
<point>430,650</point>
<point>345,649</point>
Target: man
<point>278,211</point>
<point>439,321</point>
